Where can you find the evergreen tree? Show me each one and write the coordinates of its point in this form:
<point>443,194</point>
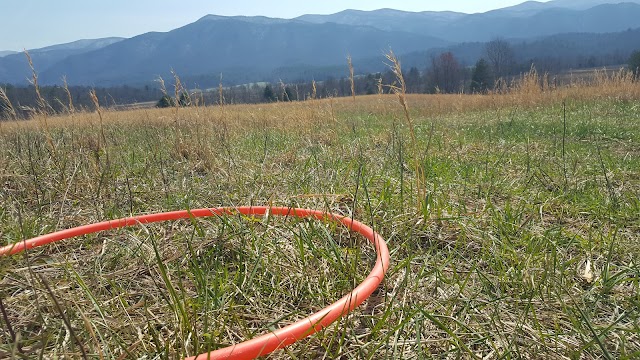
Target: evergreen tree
<point>371,84</point>
<point>413,81</point>
<point>166,101</point>
<point>481,78</point>
<point>634,63</point>
<point>269,95</point>
<point>185,99</point>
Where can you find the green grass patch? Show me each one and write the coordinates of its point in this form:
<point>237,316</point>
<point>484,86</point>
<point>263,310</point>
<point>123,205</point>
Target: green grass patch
<point>525,244</point>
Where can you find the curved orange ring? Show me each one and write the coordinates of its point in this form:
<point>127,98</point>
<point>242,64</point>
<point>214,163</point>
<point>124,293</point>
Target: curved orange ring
<point>274,340</point>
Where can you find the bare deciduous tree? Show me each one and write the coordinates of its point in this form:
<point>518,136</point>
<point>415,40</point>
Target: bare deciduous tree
<point>445,74</point>
<point>501,57</point>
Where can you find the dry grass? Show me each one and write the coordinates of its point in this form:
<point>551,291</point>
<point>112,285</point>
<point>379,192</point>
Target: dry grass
<point>525,245</point>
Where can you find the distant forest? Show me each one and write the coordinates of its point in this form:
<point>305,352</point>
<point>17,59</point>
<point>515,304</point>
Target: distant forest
<point>464,68</point>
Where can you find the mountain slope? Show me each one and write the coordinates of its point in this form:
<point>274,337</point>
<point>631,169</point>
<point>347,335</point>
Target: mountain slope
<point>585,4</point>
<point>534,7</point>
<point>215,45</point>
<point>14,68</point>
<point>550,53</point>
<point>426,22</point>
<point>527,20</point>
<point>599,19</point>
<point>7,52</point>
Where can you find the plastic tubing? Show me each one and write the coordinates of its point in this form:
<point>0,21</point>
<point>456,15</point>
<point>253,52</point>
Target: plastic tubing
<point>274,340</point>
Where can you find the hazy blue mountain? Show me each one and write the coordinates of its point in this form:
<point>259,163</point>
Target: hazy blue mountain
<point>251,49</point>
<point>4,53</point>
<point>527,20</point>
<point>553,53</point>
<point>250,19</point>
<point>426,22</point>
<point>14,68</point>
<point>549,53</point>
<point>534,7</point>
<point>600,19</point>
<point>231,46</point>
<point>585,4</point>
<point>80,45</point>
<point>525,9</point>
<point>580,46</point>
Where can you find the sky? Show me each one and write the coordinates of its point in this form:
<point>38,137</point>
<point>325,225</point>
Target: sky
<point>30,24</point>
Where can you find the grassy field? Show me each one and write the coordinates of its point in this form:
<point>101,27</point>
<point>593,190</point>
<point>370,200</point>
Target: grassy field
<point>513,222</point>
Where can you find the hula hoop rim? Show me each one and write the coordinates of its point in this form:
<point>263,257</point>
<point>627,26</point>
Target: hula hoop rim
<point>269,342</point>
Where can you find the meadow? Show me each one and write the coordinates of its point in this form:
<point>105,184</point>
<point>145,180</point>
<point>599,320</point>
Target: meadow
<point>512,218</point>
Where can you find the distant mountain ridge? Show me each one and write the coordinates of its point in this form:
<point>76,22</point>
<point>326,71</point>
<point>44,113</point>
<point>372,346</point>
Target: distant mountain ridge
<point>83,45</point>
<point>7,52</point>
<point>15,69</point>
<point>217,45</point>
<point>428,22</point>
<point>533,7</point>
<point>527,20</point>
<point>586,4</point>
<point>251,49</point>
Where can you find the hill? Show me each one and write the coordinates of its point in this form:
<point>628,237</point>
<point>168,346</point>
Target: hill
<point>243,49</point>
<point>14,68</point>
<point>4,53</point>
<point>253,49</point>
<point>552,53</point>
<point>527,20</point>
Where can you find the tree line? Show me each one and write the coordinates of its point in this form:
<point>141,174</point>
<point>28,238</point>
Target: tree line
<point>444,74</point>
<point>23,100</point>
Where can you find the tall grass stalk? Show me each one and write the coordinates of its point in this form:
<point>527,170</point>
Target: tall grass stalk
<point>59,308</point>
<point>399,88</point>
<point>5,105</point>
<point>314,90</point>
<point>43,106</point>
<point>102,143</point>
<point>65,86</point>
<point>285,94</point>
<point>41,103</point>
<point>564,140</point>
<point>351,78</point>
<point>221,97</point>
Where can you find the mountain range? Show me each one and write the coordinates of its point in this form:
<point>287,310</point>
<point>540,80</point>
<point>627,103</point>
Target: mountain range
<point>251,49</point>
<point>235,45</point>
<point>527,20</point>
<point>14,68</point>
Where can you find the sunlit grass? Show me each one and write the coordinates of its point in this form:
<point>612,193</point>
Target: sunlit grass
<point>525,244</point>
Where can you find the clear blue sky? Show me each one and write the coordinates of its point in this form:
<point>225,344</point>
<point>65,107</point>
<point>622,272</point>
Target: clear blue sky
<point>37,23</point>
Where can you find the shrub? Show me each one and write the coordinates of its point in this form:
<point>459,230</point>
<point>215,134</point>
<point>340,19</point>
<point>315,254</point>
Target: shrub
<point>165,102</point>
